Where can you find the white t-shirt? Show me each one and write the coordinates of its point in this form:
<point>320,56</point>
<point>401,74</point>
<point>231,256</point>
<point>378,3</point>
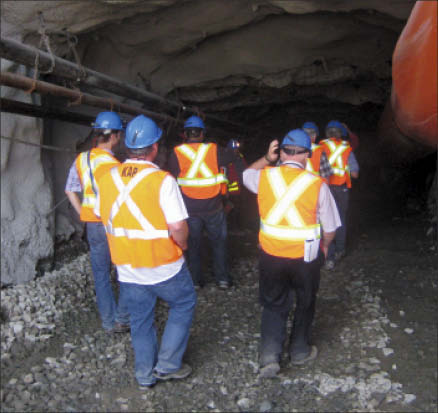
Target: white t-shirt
<point>174,210</point>
<point>327,212</point>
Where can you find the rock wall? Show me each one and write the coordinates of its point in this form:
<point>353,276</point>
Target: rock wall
<point>26,196</point>
<point>65,135</point>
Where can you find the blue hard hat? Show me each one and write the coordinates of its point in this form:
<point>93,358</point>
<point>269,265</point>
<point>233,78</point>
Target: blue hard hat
<point>310,125</point>
<point>335,124</point>
<point>142,132</point>
<point>233,144</point>
<point>297,137</point>
<point>108,120</point>
<point>194,122</point>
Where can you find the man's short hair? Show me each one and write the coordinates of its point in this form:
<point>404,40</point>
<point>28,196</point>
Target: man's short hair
<point>137,152</point>
<point>293,150</point>
<point>103,135</point>
<point>193,132</point>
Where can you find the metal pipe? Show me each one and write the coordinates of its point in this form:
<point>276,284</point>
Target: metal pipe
<point>21,53</point>
<point>21,108</point>
<point>27,84</point>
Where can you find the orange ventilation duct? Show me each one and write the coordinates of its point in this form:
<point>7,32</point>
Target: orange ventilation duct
<point>409,122</point>
<point>414,75</point>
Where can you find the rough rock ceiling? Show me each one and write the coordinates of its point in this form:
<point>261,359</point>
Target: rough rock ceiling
<point>224,55</point>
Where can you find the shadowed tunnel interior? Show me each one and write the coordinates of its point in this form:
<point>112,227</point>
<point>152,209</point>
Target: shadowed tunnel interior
<point>253,70</point>
<point>265,67</point>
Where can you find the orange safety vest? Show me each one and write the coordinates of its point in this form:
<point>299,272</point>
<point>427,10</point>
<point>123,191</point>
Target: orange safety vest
<point>100,161</point>
<point>199,175</point>
<point>338,152</point>
<point>313,163</point>
<point>135,224</point>
<point>288,199</point>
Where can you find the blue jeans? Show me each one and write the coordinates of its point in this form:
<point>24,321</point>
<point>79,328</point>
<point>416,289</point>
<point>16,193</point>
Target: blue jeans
<point>101,266</point>
<point>341,195</point>
<point>216,227</point>
<point>180,294</point>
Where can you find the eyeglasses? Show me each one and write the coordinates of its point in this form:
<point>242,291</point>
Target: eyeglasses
<point>293,151</point>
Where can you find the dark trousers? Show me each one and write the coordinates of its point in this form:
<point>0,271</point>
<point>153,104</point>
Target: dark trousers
<point>216,227</point>
<point>341,195</point>
<point>279,279</point>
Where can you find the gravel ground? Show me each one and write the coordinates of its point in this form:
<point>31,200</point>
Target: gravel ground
<point>375,329</point>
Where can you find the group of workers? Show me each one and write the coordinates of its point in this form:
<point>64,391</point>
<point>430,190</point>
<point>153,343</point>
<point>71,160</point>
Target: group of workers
<point>143,218</point>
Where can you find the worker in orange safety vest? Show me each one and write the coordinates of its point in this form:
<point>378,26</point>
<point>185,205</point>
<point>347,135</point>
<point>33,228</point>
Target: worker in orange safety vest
<point>84,172</point>
<point>196,165</point>
<point>293,205</point>
<point>145,220</point>
<point>344,165</point>
<point>318,162</point>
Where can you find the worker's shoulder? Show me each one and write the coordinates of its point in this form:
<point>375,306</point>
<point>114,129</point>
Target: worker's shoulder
<point>162,174</point>
<point>317,178</point>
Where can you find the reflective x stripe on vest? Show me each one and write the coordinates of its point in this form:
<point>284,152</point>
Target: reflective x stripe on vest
<point>233,186</point>
<point>285,207</point>
<point>148,231</point>
<point>89,197</point>
<point>335,158</point>
<point>309,164</point>
<point>198,166</point>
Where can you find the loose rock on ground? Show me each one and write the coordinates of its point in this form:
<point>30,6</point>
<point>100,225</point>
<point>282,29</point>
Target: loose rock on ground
<point>56,357</point>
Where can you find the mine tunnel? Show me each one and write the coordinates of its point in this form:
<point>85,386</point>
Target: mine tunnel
<point>252,70</point>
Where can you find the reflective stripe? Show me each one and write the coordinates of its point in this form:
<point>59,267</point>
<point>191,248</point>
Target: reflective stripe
<point>311,232</point>
<point>148,231</point>
<point>336,152</point>
<point>285,207</point>
<point>198,166</point>
<point>309,167</point>
<point>138,233</point>
<point>338,172</point>
<point>233,186</point>
<point>199,182</point>
<point>86,181</point>
<point>197,159</point>
<point>89,199</point>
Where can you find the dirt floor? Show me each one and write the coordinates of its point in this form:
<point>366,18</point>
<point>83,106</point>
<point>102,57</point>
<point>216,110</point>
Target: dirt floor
<point>375,329</point>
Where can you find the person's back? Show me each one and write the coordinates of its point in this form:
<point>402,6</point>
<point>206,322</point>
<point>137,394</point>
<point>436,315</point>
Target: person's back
<point>145,220</point>
<point>140,239</point>
<point>294,206</point>
<point>88,167</point>
<point>344,165</point>
<point>317,163</point>
<point>196,165</point>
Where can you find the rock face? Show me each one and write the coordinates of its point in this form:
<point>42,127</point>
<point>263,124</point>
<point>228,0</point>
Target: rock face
<point>26,196</point>
<point>246,59</point>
